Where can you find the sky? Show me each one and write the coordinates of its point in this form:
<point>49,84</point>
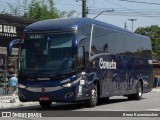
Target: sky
<point>146,12</point>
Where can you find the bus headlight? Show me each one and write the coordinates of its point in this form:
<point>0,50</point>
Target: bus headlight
<point>72,83</point>
<point>67,85</point>
<point>21,86</point>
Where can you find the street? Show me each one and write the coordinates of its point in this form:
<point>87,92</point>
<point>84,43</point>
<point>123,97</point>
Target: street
<point>115,107</point>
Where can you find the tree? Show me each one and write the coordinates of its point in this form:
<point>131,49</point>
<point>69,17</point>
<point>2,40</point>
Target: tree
<point>38,10</point>
<point>154,33</point>
<point>15,10</point>
<point>41,10</point>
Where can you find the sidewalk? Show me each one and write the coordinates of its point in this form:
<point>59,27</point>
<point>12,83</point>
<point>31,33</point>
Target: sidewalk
<point>157,89</point>
<point>5,102</point>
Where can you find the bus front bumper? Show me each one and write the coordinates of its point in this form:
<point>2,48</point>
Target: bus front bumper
<point>54,94</point>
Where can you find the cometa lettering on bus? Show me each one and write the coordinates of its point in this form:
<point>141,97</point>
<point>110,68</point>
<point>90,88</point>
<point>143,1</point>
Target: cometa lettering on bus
<point>107,65</point>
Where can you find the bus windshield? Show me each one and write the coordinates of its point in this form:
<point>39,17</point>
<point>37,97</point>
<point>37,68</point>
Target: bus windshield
<point>49,54</point>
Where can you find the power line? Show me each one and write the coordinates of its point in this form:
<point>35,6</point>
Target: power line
<point>128,13</point>
<point>155,13</point>
<point>133,10</point>
<point>121,9</point>
<point>140,2</point>
<point>127,8</point>
<point>124,14</point>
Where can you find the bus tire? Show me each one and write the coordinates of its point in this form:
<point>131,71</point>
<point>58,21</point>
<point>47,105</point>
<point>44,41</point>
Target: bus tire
<point>92,102</point>
<point>45,104</point>
<point>130,97</point>
<point>138,95</point>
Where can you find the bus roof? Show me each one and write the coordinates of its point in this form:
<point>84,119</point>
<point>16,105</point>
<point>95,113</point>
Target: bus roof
<point>71,24</point>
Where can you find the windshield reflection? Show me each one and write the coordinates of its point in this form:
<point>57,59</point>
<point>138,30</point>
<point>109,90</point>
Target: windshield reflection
<point>49,54</point>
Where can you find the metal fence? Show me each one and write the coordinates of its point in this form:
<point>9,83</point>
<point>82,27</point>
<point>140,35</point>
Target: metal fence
<point>5,90</point>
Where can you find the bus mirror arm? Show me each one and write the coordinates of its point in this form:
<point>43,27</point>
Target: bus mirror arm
<point>10,46</point>
<point>81,38</point>
<point>76,42</point>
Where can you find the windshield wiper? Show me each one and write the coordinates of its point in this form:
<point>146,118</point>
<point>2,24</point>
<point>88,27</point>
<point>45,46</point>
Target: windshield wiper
<point>64,75</point>
<point>45,70</point>
<point>34,73</point>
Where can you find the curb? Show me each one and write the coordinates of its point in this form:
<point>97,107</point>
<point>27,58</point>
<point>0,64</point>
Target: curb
<point>156,90</point>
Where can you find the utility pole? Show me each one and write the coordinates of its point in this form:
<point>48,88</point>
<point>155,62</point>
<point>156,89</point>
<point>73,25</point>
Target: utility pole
<point>132,20</point>
<point>84,8</point>
<point>125,25</point>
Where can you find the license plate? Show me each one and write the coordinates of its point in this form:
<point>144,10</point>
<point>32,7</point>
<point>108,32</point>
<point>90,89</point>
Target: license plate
<point>43,98</point>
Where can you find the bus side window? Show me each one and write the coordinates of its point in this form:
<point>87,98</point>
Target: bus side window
<point>80,61</point>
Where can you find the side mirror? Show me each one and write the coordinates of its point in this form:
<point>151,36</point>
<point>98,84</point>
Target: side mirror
<point>10,46</point>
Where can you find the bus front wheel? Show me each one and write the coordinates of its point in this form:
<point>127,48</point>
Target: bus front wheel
<point>45,104</point>
<point>92,102</point>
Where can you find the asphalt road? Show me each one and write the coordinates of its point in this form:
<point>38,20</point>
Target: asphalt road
<point>117,106</point>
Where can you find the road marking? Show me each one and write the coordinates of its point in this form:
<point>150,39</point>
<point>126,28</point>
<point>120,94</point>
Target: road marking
<point>110,110</point>
<point>155,109</point>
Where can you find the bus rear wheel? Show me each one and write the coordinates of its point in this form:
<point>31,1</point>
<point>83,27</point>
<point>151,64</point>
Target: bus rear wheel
<point>45,104</point>
<point>92,102</point>
<point>138,95</point>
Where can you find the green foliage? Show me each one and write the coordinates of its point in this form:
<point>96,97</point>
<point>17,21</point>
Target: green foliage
<point>38,10</point>
<point>41,10</point>
<point>154,33</point>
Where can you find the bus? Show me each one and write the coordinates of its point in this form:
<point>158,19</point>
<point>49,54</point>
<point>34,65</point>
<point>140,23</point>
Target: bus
<point>81,60</point>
